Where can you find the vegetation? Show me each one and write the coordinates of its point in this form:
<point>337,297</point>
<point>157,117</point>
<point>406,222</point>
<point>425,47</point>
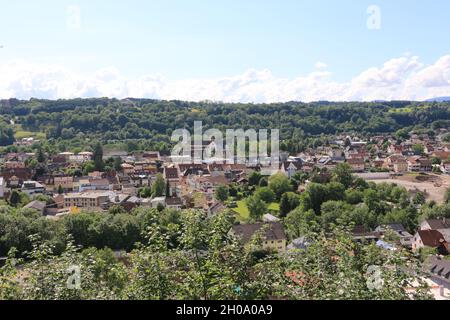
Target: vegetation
<point>168,265</point>
<point>147,124</point>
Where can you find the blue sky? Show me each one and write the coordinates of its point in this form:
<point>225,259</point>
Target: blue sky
<point>199,39</point>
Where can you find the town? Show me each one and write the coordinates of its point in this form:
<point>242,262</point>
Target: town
<point>67,183</point>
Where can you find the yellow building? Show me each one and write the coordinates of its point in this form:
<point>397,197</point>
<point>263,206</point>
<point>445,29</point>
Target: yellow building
<point>87,200</point>
<point>272,233</point>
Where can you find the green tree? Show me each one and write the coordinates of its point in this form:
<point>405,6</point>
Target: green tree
<point>117,164</point>
<point>98,157</point>
<point>88,167</point>
<point>342,173</point>
<point>40,155</point>
<point>266,194</point>
<point>14,198</point>
<point>263,182</point>
<point>168,193</point>
<point>289,201</point>
<point>279,183</point>
<point>158,187</point>
<point>257,207</point>
<point>221,193</point>
<point>254,178</point>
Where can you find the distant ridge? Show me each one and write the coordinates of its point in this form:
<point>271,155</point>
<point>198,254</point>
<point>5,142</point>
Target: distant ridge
<point>438,99</point>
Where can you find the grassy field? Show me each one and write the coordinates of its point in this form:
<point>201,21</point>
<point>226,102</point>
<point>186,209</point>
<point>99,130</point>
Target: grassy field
<point>19,133</point>
<point>243,214</point>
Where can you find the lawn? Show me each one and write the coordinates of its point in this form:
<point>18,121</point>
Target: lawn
<point>242,211</point>
<point>19,134</point>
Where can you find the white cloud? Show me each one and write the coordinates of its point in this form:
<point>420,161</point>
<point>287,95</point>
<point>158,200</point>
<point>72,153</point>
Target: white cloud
<point>73,20</point>
<point>400,78</point>
<point>320,65</point>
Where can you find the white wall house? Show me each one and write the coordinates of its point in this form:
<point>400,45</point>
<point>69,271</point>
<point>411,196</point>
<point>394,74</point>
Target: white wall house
<point>2,187</point>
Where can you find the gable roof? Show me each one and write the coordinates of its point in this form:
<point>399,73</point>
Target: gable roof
<point>436,224</point>
<point>431,238</point>
<point>394,226</point>
<point>274,231</point>
<point>439,267</point>
<point>171,173</point>
<point>175,201</point>
<point>36,205</point>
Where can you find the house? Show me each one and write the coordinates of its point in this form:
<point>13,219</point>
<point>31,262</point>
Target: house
<point>399,165</point>
<point>158,201</point>
<point>427,238</point>
<point>216,208</point>
<point>337,154</point>
<point>127,168</point>
<point>360,234</point>
<point>171,175</point>
<point>66,183</point>
<point>395,149</point>
<point>216,169</point>
<point>90,200</point>
<point>445,167</point>
<point>299,244</point>
<point>2,187</point>
<point>399,230</point>
<point>174,203</point>
<point>151,155</point>
<point>419,164</point>
<point>435,224</point>
<point>443,155</point>
<point>425,165</point>
<point>438,271</point>
<point>23,174</point>
<point>205,183</point>
<point>39,206</point>
<point>274,238</point>
<point>32,187</point>
<point>66,155</point>
<point>357,164</point>
<point>291,168</point>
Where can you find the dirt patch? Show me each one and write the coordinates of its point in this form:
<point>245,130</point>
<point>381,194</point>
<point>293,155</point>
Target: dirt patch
<point>434,186</point>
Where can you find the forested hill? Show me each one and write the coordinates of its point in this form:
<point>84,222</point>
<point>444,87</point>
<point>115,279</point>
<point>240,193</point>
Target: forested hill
<point>153,120</point>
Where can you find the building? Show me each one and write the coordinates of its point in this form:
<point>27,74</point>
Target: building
<point>357,164</point>
<point>291,168</point>
<point>361,234</point>
<point>435,224</point>
<point>438,271</point>
<point>216,208</point>
<point>419,164</point>
<point>39,206</point>
<point>399,230</point>
<point>274,238</point>
<point>87,200</point>
<point>400,165</point>
<point>66,183</point>
<point>445,167</point>
<point>427,238</point>
<point>158,201</point>
<point>172,176</point>
<point>32,187</point>
<point>174,203</point>
<point>2,187</point>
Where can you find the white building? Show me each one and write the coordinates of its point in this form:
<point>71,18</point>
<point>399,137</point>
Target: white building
<point>2,187</point>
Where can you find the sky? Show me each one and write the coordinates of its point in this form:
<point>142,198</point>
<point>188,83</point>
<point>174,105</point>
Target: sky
<point>225,50</point>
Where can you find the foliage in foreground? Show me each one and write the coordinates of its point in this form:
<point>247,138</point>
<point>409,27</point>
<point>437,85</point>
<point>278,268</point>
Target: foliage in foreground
<point>207,263</point>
